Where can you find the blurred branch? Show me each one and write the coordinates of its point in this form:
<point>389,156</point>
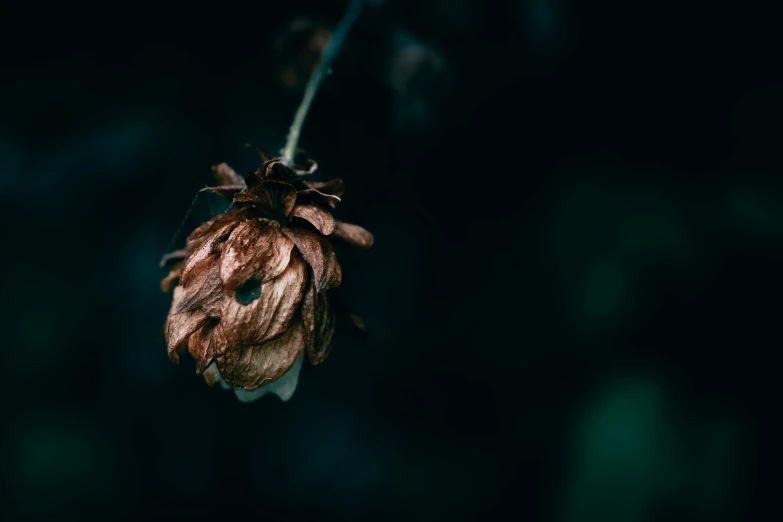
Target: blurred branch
<point>335,42</point>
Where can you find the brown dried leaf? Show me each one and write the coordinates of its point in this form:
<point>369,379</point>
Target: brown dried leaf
<point>180,326</point>
<point>271,313</point>
<point>256,249</point>
<point>319,198</point>
<point>353,234</point>
<point>318,318</point>
<point>334,187</point>
<point>225,175</point>
<point>206,343</point>
<point>211,225</point>
<point>207,248</point>
<point>317,216</point>
<point>319,254</point>
<point>174,257</point>
<point>250,367</point>
<point>276,198</point>
<point>204,288</point>
<point>170,281</point>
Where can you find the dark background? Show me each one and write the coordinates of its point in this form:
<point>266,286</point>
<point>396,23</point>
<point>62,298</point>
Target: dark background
<point>573,302</point>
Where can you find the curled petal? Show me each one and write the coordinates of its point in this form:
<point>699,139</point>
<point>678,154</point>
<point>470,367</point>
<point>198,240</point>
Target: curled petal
<point>319,254</point>
<point>305,168</point>
<point>319,198</point>
<point>180,326</point>
<point>249,367</point>
<point>205,343</point>
<point>174,257</point>
<point>227,191</point>
<point>205,229</point>
<point>276,198</point>
<point>204,288</point>
<point>171,280</point>
<point>206,249</point>
<point>334,187</point>
<point>318,319</point>
<point>270,313</point>
<point>353,234</point>
<point>257,250</point>
<point>225,175</point>
<point>275,169</point>
<point>317,216</point>
<point>201,274</point>
<point>284,387</point>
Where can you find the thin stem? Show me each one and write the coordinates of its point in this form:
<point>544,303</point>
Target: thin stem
<point>332,47</point>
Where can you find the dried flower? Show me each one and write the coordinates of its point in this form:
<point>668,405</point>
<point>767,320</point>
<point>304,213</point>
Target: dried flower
<point>255,282</point>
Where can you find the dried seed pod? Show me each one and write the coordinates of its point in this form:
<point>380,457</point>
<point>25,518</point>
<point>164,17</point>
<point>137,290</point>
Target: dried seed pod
<point>254,283</point>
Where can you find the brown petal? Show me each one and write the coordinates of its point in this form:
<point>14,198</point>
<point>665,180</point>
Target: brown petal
<point>334,187</point>
<point>250,367</point>
<point>353,234</point>
<point>320,218</point>
<point>180,326</point>
<point>225,175</point>
<point>271,313</point>
<point>213,225</point>
<point>305,168</point>
<point>319,254</point>
<point>174,257</point>
<point>318,319</point>
<point>276,198</point>
<point>227,191</point>
<point>206,343</point>
<point>204,287</point>
<point>210,246</point>
<point>201,282</point>
<point>170,280</point>
<point>276,169</point>
<point>317,197</point>
<point>257,250</point>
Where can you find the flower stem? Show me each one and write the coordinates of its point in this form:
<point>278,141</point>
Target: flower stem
<point>332,47</point>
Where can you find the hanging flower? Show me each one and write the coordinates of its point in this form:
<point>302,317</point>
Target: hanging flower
<point>254,284</point>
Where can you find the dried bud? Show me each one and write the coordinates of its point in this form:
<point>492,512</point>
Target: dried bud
<point>255,282</point>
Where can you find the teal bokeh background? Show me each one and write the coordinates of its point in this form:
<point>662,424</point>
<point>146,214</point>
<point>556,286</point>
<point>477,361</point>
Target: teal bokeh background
<point>572,305</point>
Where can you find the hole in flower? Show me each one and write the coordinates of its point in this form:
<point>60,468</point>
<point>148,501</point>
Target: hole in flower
<point>248,292</point>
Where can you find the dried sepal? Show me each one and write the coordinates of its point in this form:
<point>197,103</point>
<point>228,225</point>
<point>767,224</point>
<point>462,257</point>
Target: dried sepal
<point>256,250</point>
<point>311,195</point>
<point>225,175</point>
<point>319,254</point>
<point>206,343</point>
<point>168,283</point>
<point>249,367</point>
<point>181,325</point>
<point>353,234</point>
<point>274,198</point>
<point>333,187</point>
<point>318,319</point>
<point>270,313</point>
<point>316,216</point>
<point>177,256</point>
